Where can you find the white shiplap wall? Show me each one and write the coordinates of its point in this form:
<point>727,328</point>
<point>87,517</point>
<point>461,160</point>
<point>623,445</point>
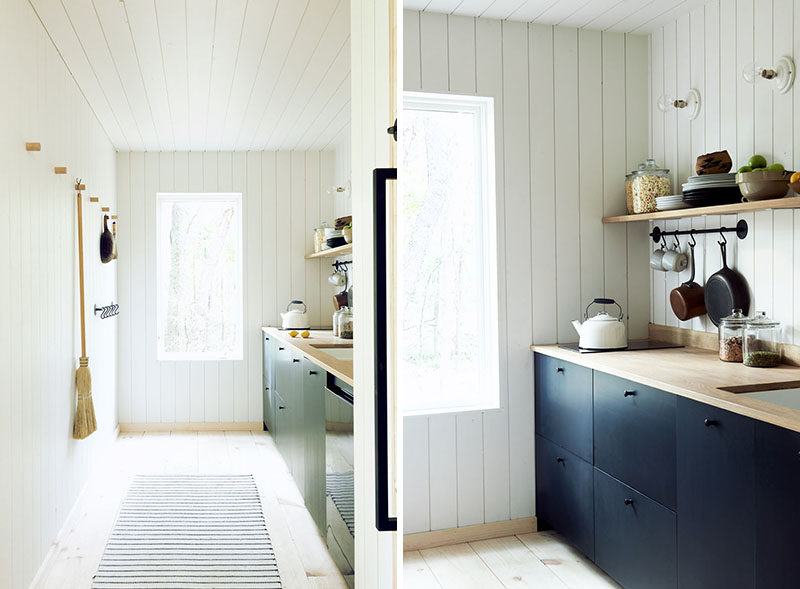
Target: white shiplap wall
<point>707,49</point>
<point>43,468</point>
<point>284,199</point>
<point>571,117</point>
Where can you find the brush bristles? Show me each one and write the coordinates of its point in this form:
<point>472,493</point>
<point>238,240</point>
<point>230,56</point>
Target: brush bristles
<point>85,422</point>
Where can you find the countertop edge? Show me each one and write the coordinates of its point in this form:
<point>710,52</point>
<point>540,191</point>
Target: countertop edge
<point>746,406</point>
<point>335,366</point>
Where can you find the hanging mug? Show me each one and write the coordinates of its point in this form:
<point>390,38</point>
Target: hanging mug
<point>336,279</point>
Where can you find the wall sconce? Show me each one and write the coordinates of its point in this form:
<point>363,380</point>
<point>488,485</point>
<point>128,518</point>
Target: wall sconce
<point>333,190</point>
<point>692,103</point>
<point>781,75</point>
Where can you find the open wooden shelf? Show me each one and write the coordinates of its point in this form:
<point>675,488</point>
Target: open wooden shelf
<point>332,253</point>
<point>740,207</point>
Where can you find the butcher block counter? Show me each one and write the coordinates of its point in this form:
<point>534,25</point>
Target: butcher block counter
<point>697,374</point>
<point>313,348</point>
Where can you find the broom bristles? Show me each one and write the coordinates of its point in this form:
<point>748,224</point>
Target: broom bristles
<point>85,422</point>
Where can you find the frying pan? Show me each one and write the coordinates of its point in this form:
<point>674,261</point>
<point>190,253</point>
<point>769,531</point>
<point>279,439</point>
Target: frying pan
<point>688,299</point>
<point>106,243</point>
<point>725,290</point>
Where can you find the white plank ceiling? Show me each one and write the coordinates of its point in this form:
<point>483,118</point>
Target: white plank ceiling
<point>625,16</point>
<point>209,74</point>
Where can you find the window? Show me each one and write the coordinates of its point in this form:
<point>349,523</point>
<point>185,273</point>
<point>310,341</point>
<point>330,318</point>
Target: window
<point>447,263</point>
<point>199,265</point>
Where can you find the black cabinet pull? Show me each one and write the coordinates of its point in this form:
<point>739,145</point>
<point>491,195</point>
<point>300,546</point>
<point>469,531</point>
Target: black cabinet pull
<point>281,406</point>
<point>281,349</point>
<point>628,501</point>
<point>312,372</point>
<point>559,459</point>
<point>560,369</point>
<point>295,359</point>
<point>709,422</point>
<point>628,393</point>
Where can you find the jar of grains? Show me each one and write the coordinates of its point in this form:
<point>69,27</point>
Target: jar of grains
<point>649,183</point>
<point>629,189</point>
<point>346,324</point>
<point>731,332</point>
<point>762,346</point>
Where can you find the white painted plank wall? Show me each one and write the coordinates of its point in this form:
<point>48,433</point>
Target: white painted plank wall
<point>45,469</point>
<point>707,49</point>
<point>571,116</point>
<point>284,195</point>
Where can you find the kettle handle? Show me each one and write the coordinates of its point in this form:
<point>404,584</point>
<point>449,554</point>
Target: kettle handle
<point>603,302</point>
<point>296,302</point>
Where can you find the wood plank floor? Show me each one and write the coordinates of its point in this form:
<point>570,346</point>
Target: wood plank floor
<point>542,560</point>
<point>303,560</point>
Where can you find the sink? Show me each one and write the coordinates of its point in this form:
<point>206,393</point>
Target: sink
<point>785,394</point>
<point>338,352</point>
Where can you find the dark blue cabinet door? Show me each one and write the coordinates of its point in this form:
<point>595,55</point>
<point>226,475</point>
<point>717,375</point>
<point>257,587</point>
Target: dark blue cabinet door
<point>777,506</point>
<point>634,536</point>
<point>563,401</point>
<point>564,494</point>
<point>716,494</point>
<point>634,435</point>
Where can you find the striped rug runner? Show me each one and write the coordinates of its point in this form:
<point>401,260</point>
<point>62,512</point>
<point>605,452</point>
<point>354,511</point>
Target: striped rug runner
<point>187,532</point>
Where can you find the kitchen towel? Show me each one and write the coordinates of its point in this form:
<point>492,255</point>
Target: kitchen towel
<point>189,531</point>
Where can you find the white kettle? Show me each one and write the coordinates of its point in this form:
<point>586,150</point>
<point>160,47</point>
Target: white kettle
<point>295,318</point>
<point>602,332</point>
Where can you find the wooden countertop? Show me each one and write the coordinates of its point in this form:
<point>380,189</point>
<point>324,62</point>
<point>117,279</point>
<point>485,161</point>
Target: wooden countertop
<point>694,373</point>
<point>336,366</point>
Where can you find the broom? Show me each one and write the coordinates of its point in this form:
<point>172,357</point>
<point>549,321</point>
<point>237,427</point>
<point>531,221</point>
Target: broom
<point>85,422</point>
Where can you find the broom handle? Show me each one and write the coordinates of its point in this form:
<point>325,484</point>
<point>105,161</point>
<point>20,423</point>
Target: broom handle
<point>80,264</point>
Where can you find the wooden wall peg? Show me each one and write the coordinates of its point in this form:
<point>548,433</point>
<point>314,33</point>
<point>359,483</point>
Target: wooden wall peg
<point>114,217</point>
<point>33,147</point>
<point>60,170</point>
<point>94,199</point>
<point>106,209</point>
<point>80,187</point>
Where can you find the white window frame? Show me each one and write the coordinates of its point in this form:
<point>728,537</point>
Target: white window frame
<point>238,354</point>
<point>483,108</point>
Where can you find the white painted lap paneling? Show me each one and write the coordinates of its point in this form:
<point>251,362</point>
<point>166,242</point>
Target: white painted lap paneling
<point>224,74</point>
<point>284,196</point>
<point>564,137</point>
<point>44,468</point>
<point>707,49</point>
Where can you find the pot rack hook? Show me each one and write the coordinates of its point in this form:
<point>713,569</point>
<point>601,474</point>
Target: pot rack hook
<point>694,241</point>
<point>677,242</point>
<point>724,240</point>
<point>663,242</point>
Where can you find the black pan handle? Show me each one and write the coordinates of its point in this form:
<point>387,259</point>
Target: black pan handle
<point>384,523</point>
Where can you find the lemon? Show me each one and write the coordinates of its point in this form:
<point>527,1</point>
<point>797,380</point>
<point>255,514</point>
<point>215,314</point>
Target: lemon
<point>795,177</point>
<point>305,333</point>
<point>293,333</point>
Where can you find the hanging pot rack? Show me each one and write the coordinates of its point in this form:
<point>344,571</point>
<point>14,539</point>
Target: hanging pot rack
<point>741,231</point>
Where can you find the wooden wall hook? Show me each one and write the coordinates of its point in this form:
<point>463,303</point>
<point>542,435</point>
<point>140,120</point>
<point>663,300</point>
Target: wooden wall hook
<point>105,209</point>
<point>94,199</point>
<point>80,187</point>
<point>33,147</point>
<point>114,217</point>
<point>60,169</point>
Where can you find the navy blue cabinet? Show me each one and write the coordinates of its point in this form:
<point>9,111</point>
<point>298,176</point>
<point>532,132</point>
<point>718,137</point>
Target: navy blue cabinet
<point>634,435</point>
<point>777,506</point>
<point>564,494</point>
<point>563,402</point>
<point>716,498</point>
<point>634,536</point>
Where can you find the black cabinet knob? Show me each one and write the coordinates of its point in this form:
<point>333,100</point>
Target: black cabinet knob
<point>295,360</point>
<point>628,501</point>
<point>312,372</point>
<point>559,459</point>
<point>628,393</point>
<point>559,369</point>
<point>281,406</point>
<point>281,349</point>
<point>709,422</point>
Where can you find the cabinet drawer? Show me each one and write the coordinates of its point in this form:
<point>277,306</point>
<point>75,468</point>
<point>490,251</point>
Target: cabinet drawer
<point>634,435</point>
<point>777,506</point>
<point>563,401</point>
<point>634,536</point>
<point>564,494</point>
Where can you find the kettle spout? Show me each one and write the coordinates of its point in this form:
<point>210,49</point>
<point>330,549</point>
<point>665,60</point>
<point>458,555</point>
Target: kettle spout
<point>577,325</point>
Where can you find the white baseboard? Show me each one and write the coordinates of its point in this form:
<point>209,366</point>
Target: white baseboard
<point>192,427</point>
<point>511,527</point>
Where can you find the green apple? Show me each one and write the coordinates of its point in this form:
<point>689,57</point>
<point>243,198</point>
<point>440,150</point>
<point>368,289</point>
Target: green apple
<point>776,168</point>
<point>744,169</point>
<point>758,161</point>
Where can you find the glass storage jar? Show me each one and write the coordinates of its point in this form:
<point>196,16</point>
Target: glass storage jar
<point>762,346</point>
<point>649,183</point>
<point>336,314</point>
<point>731,335</point>
<point>319,237</point>
<point>629,189</point>
<point>346,323</point>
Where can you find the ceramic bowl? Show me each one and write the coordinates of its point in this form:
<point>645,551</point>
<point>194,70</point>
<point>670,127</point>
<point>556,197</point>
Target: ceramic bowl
<point>763,184</point>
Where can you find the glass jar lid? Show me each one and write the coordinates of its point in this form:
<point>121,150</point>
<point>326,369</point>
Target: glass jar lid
<point>761,320</point>
<point>735,319</point>
<point>649,167</point>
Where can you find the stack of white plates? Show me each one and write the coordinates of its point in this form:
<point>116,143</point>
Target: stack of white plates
<point>670,203</point>
<point>710,181</point>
